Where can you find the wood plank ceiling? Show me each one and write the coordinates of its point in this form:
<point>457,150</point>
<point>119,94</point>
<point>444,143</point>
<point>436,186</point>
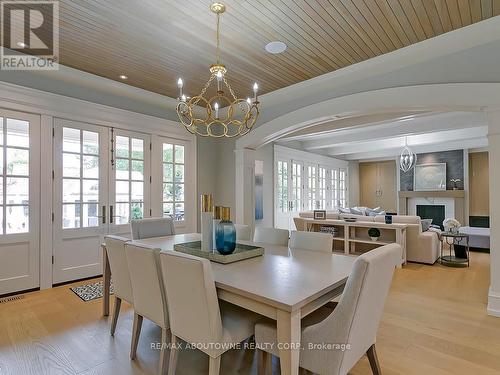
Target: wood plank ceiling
<point>154,42</point>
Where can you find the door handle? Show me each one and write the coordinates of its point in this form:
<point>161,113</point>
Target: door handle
<point>104,214</point>
<point>111,214</point>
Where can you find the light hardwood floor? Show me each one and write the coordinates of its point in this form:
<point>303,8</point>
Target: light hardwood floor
<point>435,322</point>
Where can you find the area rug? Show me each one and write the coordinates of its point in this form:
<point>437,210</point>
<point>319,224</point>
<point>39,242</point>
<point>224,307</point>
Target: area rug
<point>89,292</point>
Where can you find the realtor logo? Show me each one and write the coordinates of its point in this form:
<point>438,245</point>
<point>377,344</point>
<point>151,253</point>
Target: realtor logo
<point>29,35</point>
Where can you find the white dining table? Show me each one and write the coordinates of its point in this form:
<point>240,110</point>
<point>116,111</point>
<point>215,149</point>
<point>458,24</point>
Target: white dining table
<point>284,285</point>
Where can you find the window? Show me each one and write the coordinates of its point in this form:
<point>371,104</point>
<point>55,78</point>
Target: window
<point>80,178</point>
<point>129,179</point>
<point>321,193</point>
<point>338,183</point>
<point>173,181</point>
<point>296,186</point>
<point>311,187</point>
<point>282,186</point>
<point>14,171</point>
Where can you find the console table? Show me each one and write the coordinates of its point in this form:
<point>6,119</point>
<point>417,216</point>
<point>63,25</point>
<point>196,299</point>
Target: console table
<point>353,236</point>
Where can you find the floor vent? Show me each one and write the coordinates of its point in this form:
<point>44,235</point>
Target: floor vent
<point>10,299</point>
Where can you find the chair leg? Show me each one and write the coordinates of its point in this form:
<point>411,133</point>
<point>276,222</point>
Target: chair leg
<point>214,366</point>
<point>116,312</point>
<point>136,332</point>
<point>163,352</point>
<point>261,363</point>
<point>372,357</point>
<point>174,354</point>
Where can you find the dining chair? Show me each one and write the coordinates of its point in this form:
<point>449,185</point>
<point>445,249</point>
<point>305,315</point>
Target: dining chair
<point>149,295</point>
<point>352,326</point>
<point>314,241</point>
<point>152,227</point>
<point>271,236</point>
<point>196,316</point>
<point>243,232</point>
<point>115,249</point>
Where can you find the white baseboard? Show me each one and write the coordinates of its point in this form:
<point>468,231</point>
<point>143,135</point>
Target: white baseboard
<point>493,303</point>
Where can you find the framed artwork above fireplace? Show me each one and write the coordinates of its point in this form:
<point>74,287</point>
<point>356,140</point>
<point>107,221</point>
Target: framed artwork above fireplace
<point>430,177</point>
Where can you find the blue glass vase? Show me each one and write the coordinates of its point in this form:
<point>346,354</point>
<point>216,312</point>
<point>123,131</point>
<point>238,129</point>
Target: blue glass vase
<point>225,237</point>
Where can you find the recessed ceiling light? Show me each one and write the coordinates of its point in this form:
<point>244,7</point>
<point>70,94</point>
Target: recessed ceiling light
<point>275,47</point>
<point>21,44</point>
<point>123,76</point>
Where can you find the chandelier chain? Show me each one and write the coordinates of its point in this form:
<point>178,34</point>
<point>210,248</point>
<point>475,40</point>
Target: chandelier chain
<point>217,54</point>
<point>204,90</point>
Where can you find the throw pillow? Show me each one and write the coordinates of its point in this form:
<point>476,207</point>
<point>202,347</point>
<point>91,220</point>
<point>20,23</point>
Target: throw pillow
<point>426,224</point>
<point>355,211</point>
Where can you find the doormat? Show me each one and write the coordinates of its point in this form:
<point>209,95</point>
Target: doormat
<point>89,292</point>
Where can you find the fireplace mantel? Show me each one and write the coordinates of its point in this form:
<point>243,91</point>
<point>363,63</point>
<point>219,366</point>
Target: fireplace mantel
<point>432,194</point>
<point>458,197</point>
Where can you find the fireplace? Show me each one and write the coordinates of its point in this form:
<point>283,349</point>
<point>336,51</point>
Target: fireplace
<point>431,211</point>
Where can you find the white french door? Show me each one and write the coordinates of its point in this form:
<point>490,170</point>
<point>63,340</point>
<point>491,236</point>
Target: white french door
<point>130,180</point>
<point>173,188</point>
<point>19,201</point>
<point>289,186</point>
<point>80,199</point>
<point>101,182</point>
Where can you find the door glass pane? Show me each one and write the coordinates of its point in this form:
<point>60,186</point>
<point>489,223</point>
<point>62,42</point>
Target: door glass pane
<point>179,173</point>
<point>137,211</point>
<point>179,211</point>
<point>17,219</point>
<point>168,152</point>
<point>1,220</point>
<point>122,191</point>
<point>179,154</point>
<point>71,165</point>
<point>137,170</point>
<point>18,161</point>
<point>168,172</point>
<point>71,140</point>
<point>71,190</point>
<point>168,192</point>
<point>122,146</point>
<point>90,142</point>
<point>71,216</point>
<point>90,215</point>
<point>122,169</point>
<point>168,210</point>
<point>137,192</point>
<point>17,190</point>
<point>18,133</point>
<point>1,160</point>
<point>121,213</point>
<point>137,149</point>
<point>90,166</point>
<point>90,190</point>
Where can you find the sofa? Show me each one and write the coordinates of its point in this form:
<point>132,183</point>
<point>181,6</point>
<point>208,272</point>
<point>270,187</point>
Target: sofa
<point>421,247</point>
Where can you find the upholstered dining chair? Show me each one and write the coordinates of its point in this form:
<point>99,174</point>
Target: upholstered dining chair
<point>271,236</point>
<point>152,227</point>
<point>149,295</point>
<point>115,248</point>
<point>195,313</point>
<point>352,325</point>
<point>313,241</point>
<point>243,232</point>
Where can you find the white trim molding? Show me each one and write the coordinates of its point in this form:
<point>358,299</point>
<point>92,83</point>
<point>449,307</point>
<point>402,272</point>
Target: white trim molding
<point>493,303</point>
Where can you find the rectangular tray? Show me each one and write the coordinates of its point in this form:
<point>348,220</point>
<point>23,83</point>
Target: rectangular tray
<point>240,253</point>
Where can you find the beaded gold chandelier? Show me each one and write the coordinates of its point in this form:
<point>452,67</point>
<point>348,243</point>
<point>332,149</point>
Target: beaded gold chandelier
<point>220,115</point>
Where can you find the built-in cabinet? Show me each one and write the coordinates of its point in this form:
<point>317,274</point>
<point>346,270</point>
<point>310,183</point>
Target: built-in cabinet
<point>378,185</point>
<point>479,203</point>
